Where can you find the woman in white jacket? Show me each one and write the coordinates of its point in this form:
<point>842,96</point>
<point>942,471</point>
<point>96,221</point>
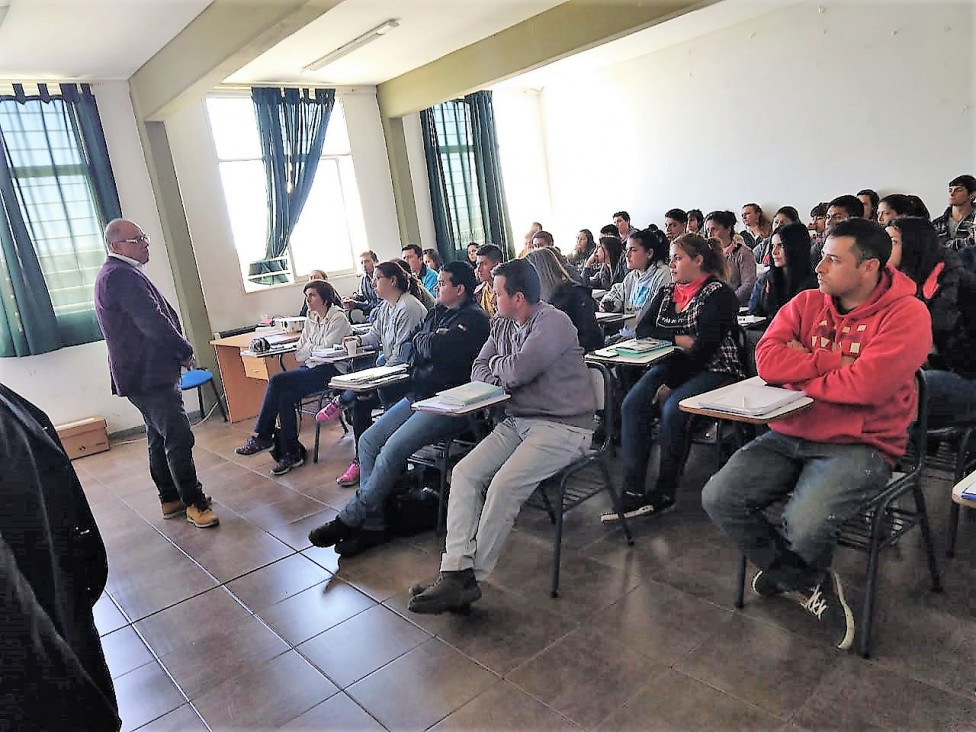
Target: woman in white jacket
<point>325,327</point>
<point>647,271</point>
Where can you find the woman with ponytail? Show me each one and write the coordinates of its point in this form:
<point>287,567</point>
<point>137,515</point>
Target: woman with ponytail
<point>697,313</point>
<point>398,314</point>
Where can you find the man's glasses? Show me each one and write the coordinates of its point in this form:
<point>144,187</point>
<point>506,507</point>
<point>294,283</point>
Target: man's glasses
<point>142,239</point>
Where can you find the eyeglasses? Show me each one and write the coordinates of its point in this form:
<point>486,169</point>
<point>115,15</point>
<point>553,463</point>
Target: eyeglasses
<point>142,239</point>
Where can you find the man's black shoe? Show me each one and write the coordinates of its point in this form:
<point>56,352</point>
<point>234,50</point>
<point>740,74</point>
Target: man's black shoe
<point>826,602</point>
<point>330,533</point>
<point>360,541</point>
<point>635,505</point>
<point>452,591</point>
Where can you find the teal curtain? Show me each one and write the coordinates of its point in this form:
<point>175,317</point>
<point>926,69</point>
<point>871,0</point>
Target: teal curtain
<point>464,175</point>
<point>57,193</point>
<point>291,127</point>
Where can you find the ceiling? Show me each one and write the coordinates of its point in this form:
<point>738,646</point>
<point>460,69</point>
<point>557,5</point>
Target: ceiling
<point>50,40</point>
<point>429,29</point>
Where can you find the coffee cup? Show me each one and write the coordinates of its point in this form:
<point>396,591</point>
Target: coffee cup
<point>351,345</point>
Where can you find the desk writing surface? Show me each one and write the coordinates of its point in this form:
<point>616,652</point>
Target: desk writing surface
<point>693,406</point>
<point>245,393</point>
<point>435,406</point>
<point>243,340</point>
<point>602,356</point>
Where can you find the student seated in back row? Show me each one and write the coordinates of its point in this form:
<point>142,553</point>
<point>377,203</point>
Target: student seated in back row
<point>533,353</point>
<point>365,300</point>
<point>441,351</point>
<point>325,327</point>
<point>697,312</point>
<point>647,264</point>
<point>790,273</point>
<point>399,313</point>
<point>559,290</point>
<point>853,346</point>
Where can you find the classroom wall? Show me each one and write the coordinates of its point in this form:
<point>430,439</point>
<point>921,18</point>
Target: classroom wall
<point>73,383</point>
<point>793,107</point>
<point>195,159</point>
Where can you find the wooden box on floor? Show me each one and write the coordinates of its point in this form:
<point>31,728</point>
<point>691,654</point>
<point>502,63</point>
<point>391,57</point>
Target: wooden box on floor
<point>84,437</point>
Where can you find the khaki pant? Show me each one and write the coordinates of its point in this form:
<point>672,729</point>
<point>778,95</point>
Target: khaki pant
<point>489,486</point>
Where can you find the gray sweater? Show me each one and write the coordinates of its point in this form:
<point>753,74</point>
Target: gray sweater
<point>393,326</point>
<point>541,365</point>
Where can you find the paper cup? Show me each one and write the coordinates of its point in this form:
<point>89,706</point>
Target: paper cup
<point>352,346</point>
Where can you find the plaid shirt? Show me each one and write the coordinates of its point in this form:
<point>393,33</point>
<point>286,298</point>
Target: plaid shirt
<point>964,234</point>
<point>725,360</point>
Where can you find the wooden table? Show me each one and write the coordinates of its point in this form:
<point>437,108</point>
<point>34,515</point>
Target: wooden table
<point>245,377</point>
<point>692,405</point>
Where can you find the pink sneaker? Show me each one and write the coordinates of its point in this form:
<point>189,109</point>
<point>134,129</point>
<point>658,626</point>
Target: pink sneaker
<point>330,411</point>
<point>350,477</point>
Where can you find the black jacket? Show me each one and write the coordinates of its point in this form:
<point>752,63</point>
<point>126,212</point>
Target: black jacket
<point>443,360</point>
<point>953,309</point>
<point>53,568</point>
<point>578,303</point>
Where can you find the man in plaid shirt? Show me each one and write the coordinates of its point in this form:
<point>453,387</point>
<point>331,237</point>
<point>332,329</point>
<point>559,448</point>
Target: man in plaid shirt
<point>957,225</point>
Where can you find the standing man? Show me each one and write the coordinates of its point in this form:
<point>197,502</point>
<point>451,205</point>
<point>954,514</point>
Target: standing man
<point>854,347</point>
<point>414,256</point>
<point>533,352</point>
<point>146,349</point>
<point>485,260</point>
<point>52,571</point>
<point>956,226</point>
<point>365,300</point>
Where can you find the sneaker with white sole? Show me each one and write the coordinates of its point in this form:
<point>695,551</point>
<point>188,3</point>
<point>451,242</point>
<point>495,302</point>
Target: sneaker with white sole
<point>350,477</point>
<point>636,505</point>
<point>286,463</point>
<point>330,411</point>
<point>827,604</point>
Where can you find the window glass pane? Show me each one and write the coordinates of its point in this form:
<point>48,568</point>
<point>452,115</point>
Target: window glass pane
<point>247,208</point>
<point>321,239</point>
<point>235,130</point>
<point>336,134</point>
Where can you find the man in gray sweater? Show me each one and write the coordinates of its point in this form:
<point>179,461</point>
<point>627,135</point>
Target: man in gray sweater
<point>533,352</point>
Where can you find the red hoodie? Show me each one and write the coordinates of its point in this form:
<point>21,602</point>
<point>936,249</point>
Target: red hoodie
<point>873,400</point>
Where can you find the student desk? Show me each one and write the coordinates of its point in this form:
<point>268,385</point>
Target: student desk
<point>752,321</point>
<point>692,405</point>
<point>603,356</point>
<point>246,376</point>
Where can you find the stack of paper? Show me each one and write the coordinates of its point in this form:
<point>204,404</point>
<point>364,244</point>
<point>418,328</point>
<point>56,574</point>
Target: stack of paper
<point>328,351</point>
<point>751,400</point>
<point>470,393</point>
<point>640,346</point>
<point>373,374</point>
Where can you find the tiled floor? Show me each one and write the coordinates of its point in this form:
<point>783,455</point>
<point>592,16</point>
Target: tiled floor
<point>248,627</point>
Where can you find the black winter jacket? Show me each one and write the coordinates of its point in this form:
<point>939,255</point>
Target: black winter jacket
<point>442,360</point>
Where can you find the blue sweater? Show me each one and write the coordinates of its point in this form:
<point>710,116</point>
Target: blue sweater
<point>142,332</point>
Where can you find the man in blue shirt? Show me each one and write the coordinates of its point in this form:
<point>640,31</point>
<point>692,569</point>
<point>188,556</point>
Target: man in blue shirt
<point>414,256</point>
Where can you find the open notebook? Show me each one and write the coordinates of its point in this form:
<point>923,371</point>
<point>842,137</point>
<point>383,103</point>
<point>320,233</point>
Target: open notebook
<point>751,400</point>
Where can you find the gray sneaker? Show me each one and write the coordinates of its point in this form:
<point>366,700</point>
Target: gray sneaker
<point>452,591</point>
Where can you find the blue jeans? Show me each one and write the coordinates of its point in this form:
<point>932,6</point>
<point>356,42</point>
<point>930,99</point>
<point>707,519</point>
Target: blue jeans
<point>283,392</point>
<point>636,415</point>
<point>952,398</point>
<point>822,486</point>
<point>170,444</point>
<point>383,452</point>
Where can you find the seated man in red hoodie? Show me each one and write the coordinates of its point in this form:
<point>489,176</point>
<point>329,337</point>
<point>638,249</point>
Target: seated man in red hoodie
<point>853,346</point>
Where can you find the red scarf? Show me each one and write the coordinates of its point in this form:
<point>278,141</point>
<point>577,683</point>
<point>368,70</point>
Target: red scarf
<point>684,291</point>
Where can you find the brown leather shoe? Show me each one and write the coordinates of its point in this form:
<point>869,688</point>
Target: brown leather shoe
<point>201,515</point>
<point>172,509</point>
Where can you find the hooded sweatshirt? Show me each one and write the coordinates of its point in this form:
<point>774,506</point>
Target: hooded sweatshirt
<point>635,293</point>
<point>870,402</point>
<point>321,332</point>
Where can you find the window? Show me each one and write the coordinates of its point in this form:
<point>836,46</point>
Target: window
<point>330,232</point>
<point>452,121</point>
<point>56,200</point>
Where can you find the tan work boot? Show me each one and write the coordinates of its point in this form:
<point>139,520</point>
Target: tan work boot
<point>172,509</point>
<point>201,515</point>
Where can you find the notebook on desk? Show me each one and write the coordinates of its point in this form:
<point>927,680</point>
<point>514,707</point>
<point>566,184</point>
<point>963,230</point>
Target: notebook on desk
<point>470,393</point>
<point>750,400</point>
<point>640,346</point>
<point>373,374</point>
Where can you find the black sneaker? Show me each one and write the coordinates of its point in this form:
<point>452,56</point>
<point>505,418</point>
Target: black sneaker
<point>360,541</point>
<point>452,591</point>
<point>254,445</point>
<point>635,505</point>
<point>827,604</point>
<point>330,533</point>
<point>286,463</point>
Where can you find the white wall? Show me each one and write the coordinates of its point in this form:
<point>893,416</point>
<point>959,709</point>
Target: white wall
<point>195,160</point>
<point>793,107</point>
<point>417,161</point>
<point>73,383</point>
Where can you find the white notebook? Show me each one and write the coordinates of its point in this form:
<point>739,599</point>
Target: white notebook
<point>373,374</point>
<point>751,400</point>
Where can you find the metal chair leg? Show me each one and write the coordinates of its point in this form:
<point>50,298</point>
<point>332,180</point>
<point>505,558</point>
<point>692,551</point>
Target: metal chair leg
<point>200,400</point>
<point>220,403</point>
<point>442,489</point>
<point>615,502</point>
<point>558,540</point>
<point>923,523</point>
<point>740,582</point>
<point>867,611</point>
<point>953,527</point>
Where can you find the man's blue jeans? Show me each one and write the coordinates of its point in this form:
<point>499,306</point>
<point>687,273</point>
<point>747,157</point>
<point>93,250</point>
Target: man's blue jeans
<point>636,415</point>
<point>383,452</point>
<point>952,398</point>
<point>822,486</point>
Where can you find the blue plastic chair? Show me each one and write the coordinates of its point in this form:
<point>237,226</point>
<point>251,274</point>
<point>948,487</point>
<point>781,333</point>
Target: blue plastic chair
<point>195,379</point>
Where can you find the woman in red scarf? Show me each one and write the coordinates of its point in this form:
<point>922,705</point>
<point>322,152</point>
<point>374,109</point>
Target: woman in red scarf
<point>697,312</point>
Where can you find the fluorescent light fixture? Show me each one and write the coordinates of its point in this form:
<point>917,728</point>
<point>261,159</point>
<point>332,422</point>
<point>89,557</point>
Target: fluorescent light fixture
<point>358,42</point>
